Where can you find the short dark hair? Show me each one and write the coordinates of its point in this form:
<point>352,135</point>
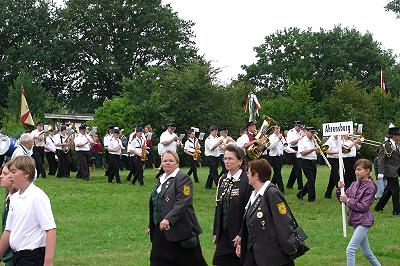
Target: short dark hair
<point>262,168</point>
<point>239,153</point>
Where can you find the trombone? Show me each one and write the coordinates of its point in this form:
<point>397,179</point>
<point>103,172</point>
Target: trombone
<point>316,140</point>
<point>367,141</point>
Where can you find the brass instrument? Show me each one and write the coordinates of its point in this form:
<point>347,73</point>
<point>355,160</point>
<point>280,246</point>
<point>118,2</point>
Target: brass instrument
<point>197,151</point>
<point>143,157</point>
<point>284,141</point>
<point>66,148</point>
<point>363,140</point>
<point>345,149</point>
<point>256,149</point>
<point>315,139</point>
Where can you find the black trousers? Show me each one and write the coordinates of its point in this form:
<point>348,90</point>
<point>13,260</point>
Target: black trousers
<point>84,160</point>
<point>29,257</point>
<point>132,169</point>
<point>193,167</point>
<point>213,173</point>
<point>139,170</point>
<point>333,177</point>
<point>63,163</point>
<point>113,168</point>
<point>391,190</point>
<point>349,172</point>
<point>277,163</point>
<point>38,155</point>
<point>221,162</point>
<point>250,260</point>
<point>107,162</point>
<point>296,173</point>
<point>310,171</point>
<point>51,160</point>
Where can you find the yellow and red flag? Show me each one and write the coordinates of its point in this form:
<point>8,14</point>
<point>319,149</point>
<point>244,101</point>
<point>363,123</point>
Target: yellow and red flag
<point>26,117</point>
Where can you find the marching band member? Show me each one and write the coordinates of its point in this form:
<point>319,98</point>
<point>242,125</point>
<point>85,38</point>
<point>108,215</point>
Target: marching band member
<point>131,155</point>
<point>233,193</point>
<point>149,136</point>
<point>106,140</point>
<point>61,140</point>
<point>114,148</point>
<point>388,167</point>
<point>189,149</point>
<point>349,160</point>
<point>332,154</point>
<point>50,152</point>
<point>248,139</point>
<point>308,161</point>
<point>226,140</point>
<point>138,143</point>
<point>82,146</point>
<point>24,147</point>
<point>212,156</point>
<point>293,137</point>
<point>242,139</point>
<point>168,142</point>
<point>38,149</point>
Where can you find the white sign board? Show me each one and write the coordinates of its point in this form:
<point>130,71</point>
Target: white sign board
<point>338,128</point>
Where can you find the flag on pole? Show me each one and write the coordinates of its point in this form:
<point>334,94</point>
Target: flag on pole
<point>383,86</point>
<point>26,117</point>
<point>252,104</point>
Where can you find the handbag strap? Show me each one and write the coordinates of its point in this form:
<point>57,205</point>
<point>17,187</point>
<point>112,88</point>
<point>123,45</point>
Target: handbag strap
<point>295,224</point>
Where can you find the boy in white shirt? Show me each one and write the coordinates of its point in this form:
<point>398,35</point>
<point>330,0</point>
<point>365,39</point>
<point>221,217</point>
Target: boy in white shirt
<point>30,229</point>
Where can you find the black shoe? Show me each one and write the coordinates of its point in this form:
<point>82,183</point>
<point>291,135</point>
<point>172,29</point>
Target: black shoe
<point>327,196</point>
<point>119,182</point>
<point>311,200</point>
<point>299,195</point>
<point>289,187</point>
<point>133,184</point>
<point>378,210</point>
<point>110,181</point>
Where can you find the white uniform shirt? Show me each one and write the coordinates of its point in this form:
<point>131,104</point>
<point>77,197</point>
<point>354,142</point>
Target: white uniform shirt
<point>135,146</point>
<point>38,142</point>
<point>293,135</point>
<point>276,145</point>
<point>107,139</point>
<point>210,142</point>
<point>333,147</point>
<point>29,218</point>
<point>353,150</point>
<point>164,178</point>
<point>226,141</point>
<point>306,144</point>
<point>243,139</point>
<point>82,139</point>
<point>254,195</point>
<point>21,151</point>
<point>190,145</point>
<point>59,139</point>
<point>50,145</point>
<point>166,136</point>
<point>113,143</point>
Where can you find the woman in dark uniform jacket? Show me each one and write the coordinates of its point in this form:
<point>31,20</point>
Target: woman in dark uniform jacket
<point>233,193</point>
<point>267,229</point>
<point>173,227</point>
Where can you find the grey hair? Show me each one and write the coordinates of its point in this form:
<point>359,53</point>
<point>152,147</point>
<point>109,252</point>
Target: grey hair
<point>25,138</point>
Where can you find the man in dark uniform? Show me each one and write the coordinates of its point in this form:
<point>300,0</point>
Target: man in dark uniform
<point>388,167</point>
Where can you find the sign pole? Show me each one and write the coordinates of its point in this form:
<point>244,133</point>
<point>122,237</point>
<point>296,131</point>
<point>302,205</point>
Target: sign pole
<point>342,192</point>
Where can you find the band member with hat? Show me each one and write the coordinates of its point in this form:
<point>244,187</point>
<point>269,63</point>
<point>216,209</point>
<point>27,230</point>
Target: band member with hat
<point>137,147</point>
<point>308,161</point>
<point>388,167</point>
<point>168,142</point>
<point>232,195</point>
<point>38,149</point>
<point>189,149</point>
<point>242,138</point>
<point>293,137</point>
<point>114,148</point>
<point>50,151</point>
<point>211,152</point>
<point>82,147</point>
<point>248,139</point>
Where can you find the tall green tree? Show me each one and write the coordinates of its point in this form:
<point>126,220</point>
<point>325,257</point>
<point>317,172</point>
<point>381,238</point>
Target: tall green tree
<point>108,40</point>
<point>323,57</point>
<point>394,6</point>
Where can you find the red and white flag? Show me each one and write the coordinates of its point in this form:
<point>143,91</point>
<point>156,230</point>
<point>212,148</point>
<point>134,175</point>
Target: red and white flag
<point>383,86</point>
<point>26,117</point>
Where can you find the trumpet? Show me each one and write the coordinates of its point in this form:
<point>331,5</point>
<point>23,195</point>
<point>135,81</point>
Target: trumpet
<point>283,140</point>
<point>322,153</point>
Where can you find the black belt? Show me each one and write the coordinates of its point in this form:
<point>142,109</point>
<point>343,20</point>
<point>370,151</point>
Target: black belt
<point>28,252</point>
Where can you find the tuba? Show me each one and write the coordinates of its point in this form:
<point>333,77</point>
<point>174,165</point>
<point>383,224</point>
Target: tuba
<point>256,149</point>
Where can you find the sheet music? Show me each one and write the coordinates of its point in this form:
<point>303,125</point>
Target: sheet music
<point>149,135</point>
<point>201,136</point>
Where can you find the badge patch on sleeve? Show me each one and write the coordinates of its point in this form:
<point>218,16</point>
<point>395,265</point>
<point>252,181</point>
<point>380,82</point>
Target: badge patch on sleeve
<point>186,190</point>
<point>281,208</point>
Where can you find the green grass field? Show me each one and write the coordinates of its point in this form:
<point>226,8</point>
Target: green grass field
<point>104,224</point>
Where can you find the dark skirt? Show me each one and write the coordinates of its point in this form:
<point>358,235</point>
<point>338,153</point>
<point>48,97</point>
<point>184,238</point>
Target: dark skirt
<point>225,253</point>
<point>167,253</point>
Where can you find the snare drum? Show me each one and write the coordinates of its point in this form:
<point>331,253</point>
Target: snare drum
<point>7,145</point>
